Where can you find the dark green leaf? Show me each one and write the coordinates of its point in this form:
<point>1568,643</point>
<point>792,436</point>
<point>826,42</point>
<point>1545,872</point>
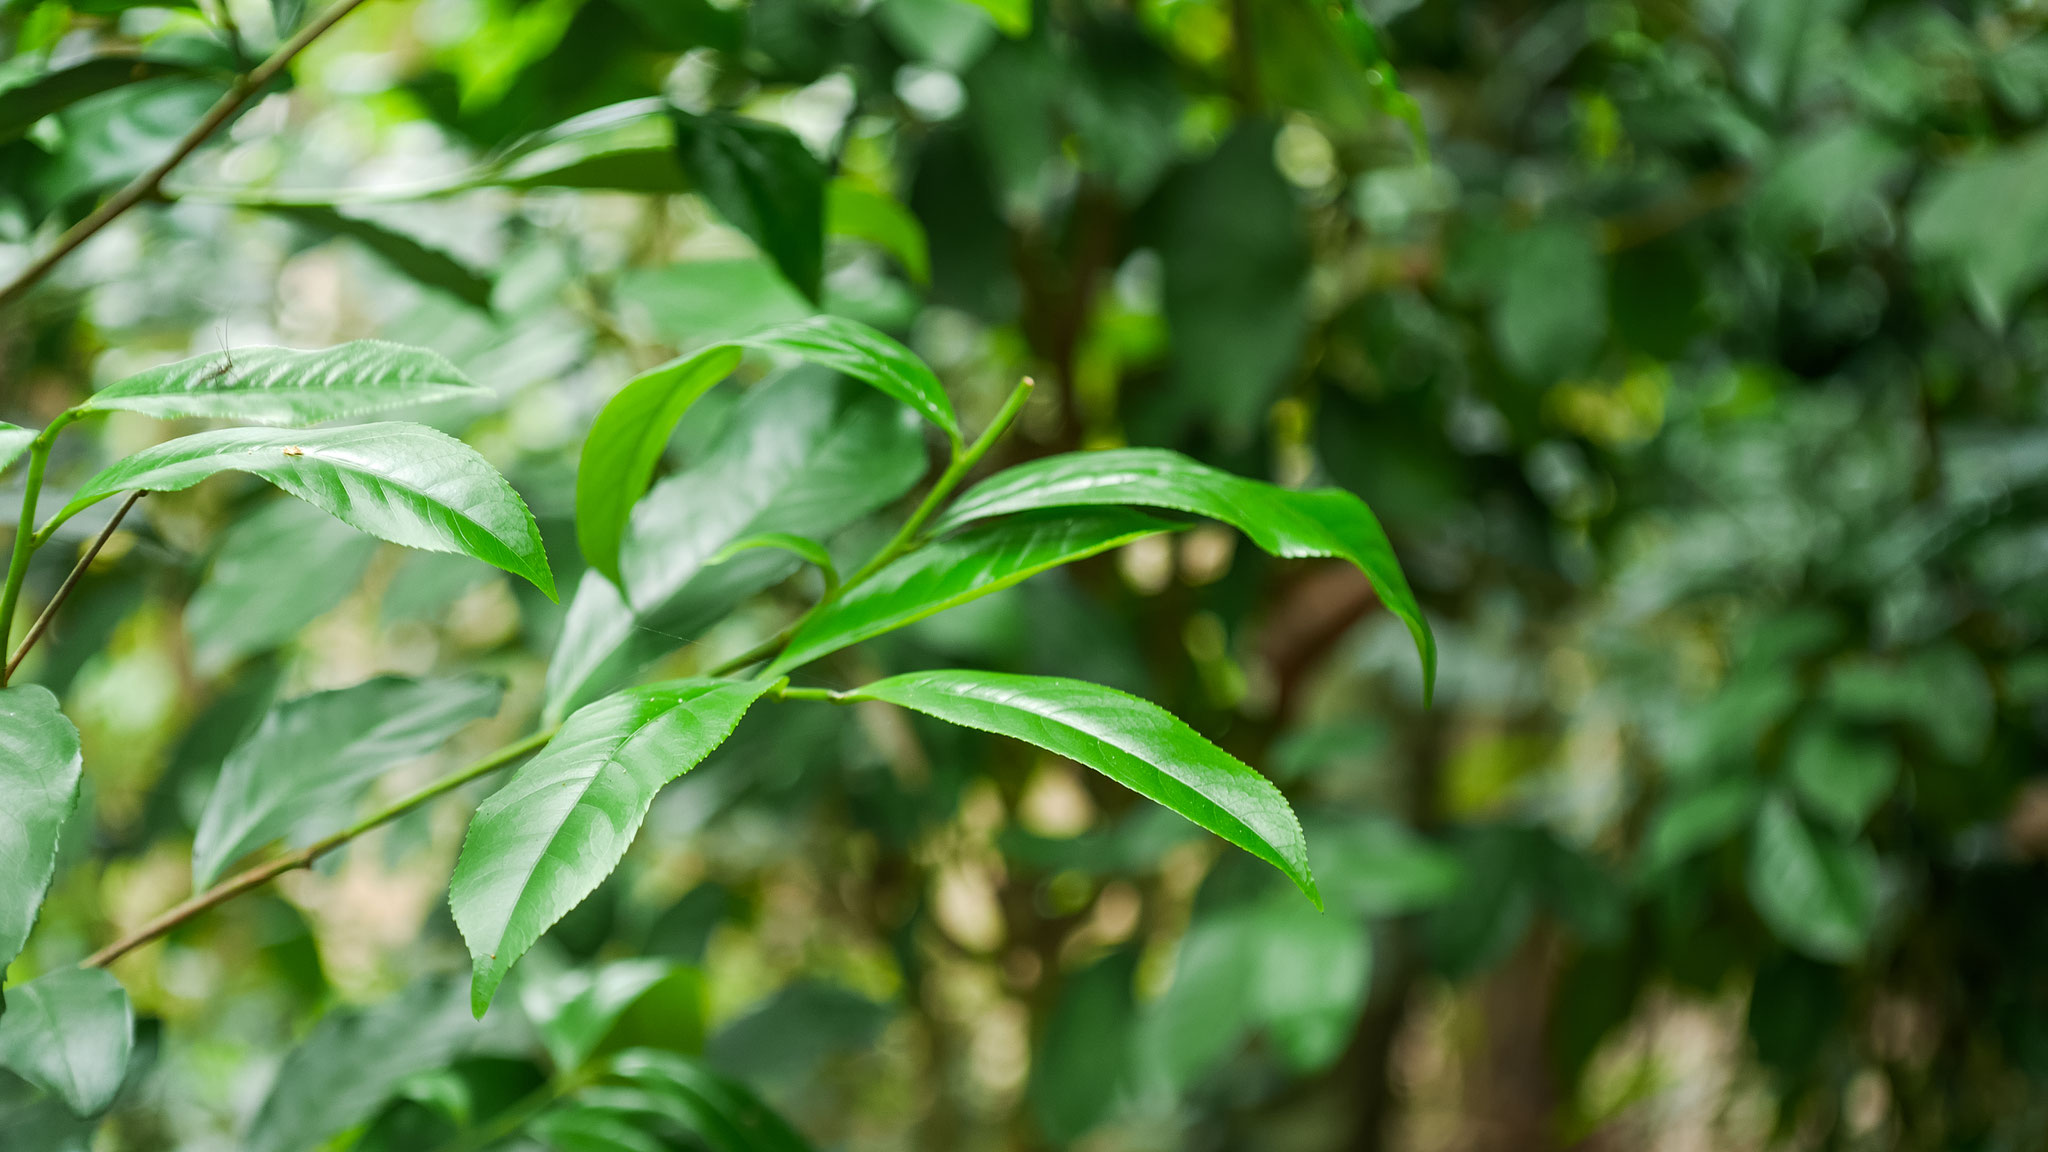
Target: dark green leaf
<point>405,483</point>
<point>311,759</point>
<point>856,210</point>
<point>40,768</point>
<point>1699,818</point>
<point>583,1012</point>
<point>1840,777</point>
<point>68,1033</point>
<point>277,570</point>
<point>983,559</point>
<point>1323,522</point>
<point>21,105</point>
<point>427,266</point>
<point>1134,742</point>
<point>726,1116</point>
<point>1817,894</point>
<point>286,386</point>
<point>585,1128</point>
<point>765,182</point>
<point>626,147</point>
<point>1078,1068</point>
<point>545,840</point>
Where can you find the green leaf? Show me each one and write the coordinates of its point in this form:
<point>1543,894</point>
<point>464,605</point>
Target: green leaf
<point>40,768</point>
<point>801,454</point>
<point>355,1059</point>
<point>625,147</point>
<point>586,1128</point>
<point>584,1013</point>
<point>277,570</point>
<point>983,559</point>
<point>1080,1065</point>
<point>22,104</point>
<point>308,763</point>
<point>1699,818</point>
<point>68,1033</point>
<point>625,445</point>
<point>14,440</point>
<point>427,266</point>
<point>405,483</point>
<point>765,182</point>
<point>1012,16</point>
<point>809,551</point>
<point>1840,777</point>
<point>544,841</point>
<point>1322,522</point>
<point>627,439</point>
<point>286,386</point>
<point>726,1116</point>
<point>856,210</point>
<point>1133,742</point>
<point>1817,894</point>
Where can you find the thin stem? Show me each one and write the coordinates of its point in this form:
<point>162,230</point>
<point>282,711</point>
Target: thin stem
<point>42,624</point>
<point>963,462</point>
<point>264,873</point>
<point>145,186</point>
<point>825,694</point>
<point>25,542</point>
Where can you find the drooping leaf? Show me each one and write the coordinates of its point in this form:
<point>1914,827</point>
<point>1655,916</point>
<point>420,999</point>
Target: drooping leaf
<point>1134,742</point>
<point>724,1115</point>
<point>310,760</point>
<point>356,1058</point>
<point>265,385</point>
<point>405,483</point>
<point>68,1032</point>
<point>856,210</point>
<point>801,454</point>
<point>1818,894</point>
<point>765,182</point>
<point>983,559</point>
<point>277,570</point>
<point>544,841</point>
<point>40,767</point>
<point>425,265</point>
<point>14,440</point>
<point>22,104</point>
<point>1323,522</point>
<point>626,440</point>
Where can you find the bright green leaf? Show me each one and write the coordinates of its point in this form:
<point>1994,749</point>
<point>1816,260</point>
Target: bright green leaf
<point>1323,522</point>
<point>14,440</point>
<point>1012,16</point>
<point>405,483</point>
<point>765,182</point>
<point>303,769</point>
<point>856,210</point>
<point>544,841</point>
<point>40,768</point>
<point>1818,895</point>
<point>285,386</point>
<point>1134,742</point>
<point>983,559</point>
<point>68,1033</point>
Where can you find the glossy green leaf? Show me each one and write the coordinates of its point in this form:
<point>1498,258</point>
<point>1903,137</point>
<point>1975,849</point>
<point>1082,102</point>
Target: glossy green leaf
<point>301,772</point>
<point>1322,522</point>
<point>69,1032</point>
<point>277,570</point>
<point>625,445</point>
<point>354,1059</point>
<point>285,386</point>
<point>22,104</point>
<point>544,841</point>
<point>14,440</point>
<point>765,182</point>
<point>40,768</point>
<point>425,265</point>
<point>1012,16</point>
<point>405,483</point>
<point>983,559</point>
<point>1134,742</point>
<point>1818,894</point>
<point>626,440</point>
<point>856,210</point>
<point>801,454</point>
<point>721,1113</point>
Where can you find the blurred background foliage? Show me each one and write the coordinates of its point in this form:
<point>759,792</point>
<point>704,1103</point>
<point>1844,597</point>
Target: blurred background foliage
<point>1691,351</point>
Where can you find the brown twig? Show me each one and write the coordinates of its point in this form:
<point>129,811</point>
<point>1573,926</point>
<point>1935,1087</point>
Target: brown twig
<point>145,186</point>
<point>42,624</point>
<point>264,873</point>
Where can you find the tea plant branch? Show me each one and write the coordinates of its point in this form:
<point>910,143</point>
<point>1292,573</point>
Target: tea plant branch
<point>264,873</point>
<point>25,539</point>
<point>145,186</point>
<point>42,624</point>
<point>906,538</point>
